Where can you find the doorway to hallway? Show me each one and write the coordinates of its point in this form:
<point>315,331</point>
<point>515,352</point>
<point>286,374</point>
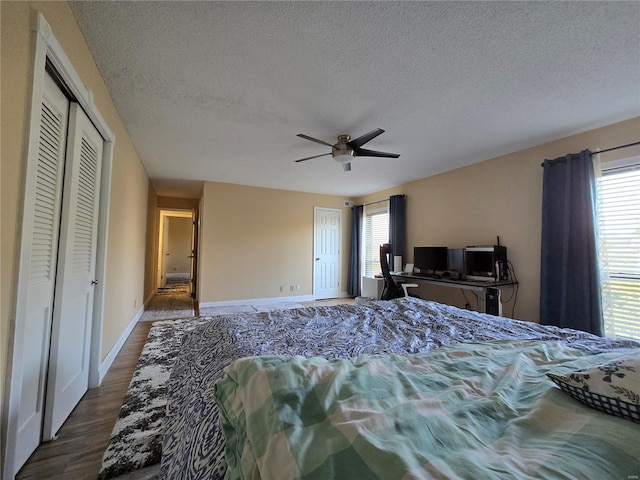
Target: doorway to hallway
<point>177,253</point>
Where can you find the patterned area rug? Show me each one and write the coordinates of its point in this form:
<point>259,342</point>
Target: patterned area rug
<point>136,439</point>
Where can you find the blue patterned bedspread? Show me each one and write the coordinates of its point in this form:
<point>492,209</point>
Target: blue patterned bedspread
<point>193,442</point>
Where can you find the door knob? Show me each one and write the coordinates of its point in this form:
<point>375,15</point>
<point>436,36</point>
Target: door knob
<point>94,282</point>
<point>317,258</point>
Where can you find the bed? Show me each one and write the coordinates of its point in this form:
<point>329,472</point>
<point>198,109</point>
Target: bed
<point>391,389</point>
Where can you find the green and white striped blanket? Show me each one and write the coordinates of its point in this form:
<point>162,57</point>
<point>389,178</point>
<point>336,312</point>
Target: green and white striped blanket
<point>473,411</point>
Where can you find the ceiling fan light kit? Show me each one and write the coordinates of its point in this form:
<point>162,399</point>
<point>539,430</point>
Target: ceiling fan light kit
<point>341,151</point>
<point>345,150</point>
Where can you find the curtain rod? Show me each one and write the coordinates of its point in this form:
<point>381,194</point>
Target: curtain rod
<point>380,201</point>
<point>610,149</point>
<point>618,147</point>
<point>375,203</point>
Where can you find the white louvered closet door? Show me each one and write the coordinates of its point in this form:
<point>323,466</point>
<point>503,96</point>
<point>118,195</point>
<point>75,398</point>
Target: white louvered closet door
<point>68,377</point>
<point>42,219</point>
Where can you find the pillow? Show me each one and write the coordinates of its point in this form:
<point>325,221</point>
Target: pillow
<point>612,387</point>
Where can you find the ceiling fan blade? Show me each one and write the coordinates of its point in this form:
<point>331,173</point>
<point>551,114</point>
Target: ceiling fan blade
<point>346,166</point>
<point>315,156</point>
<point>307,137</point>
<point>363,152</point>
<point>358,142</point>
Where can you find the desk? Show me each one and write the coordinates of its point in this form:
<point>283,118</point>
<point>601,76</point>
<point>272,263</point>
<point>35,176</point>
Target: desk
<point>477,287</point>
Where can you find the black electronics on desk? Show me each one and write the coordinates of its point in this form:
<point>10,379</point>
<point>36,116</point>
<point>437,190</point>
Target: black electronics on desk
<point>492,302</point>
<point>472,263</point>
<point>456,263</point>
<point>486,263</point>
<point>429,260</point>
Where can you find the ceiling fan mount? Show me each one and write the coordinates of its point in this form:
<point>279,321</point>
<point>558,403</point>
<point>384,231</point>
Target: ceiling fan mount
<point>345,150</point>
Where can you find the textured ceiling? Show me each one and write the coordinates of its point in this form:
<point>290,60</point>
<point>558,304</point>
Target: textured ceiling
<point>218,90</point>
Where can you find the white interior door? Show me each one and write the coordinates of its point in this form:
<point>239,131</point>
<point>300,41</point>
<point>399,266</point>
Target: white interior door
<point>327,241</point>
<point>68,374</point>
<point>39,254</point>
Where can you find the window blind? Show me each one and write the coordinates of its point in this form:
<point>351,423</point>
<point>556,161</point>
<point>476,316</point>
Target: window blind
<point>376,232</point>
<point>619,229</point>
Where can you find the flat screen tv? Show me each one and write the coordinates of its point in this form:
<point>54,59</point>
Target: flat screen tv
<point>456,260</point>
<point>430,259</point>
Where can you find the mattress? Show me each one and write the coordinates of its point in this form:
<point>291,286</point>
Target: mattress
<point>193,444</point>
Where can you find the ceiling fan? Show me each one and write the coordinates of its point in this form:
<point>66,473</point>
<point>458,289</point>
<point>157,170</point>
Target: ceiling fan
<point>346,149</point>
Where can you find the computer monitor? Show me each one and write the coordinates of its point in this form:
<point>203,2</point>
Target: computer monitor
<point>456,260</point>
<point>430,259</point>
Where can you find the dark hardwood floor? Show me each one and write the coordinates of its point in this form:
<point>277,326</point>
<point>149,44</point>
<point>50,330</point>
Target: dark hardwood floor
<point>77,452</point>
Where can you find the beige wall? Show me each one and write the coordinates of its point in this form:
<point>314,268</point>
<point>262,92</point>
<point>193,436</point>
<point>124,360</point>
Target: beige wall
<point>128,208</point>
<point>501,196</point>
<point>151,250</point>
<point>179,203</point>
<point>255,240</point>
<point>127,243</point>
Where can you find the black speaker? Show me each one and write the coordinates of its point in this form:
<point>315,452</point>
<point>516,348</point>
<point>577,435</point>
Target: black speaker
<point>493,306</point>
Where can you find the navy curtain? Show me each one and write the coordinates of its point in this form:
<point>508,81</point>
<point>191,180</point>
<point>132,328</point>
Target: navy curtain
<point>397,227</point>
<point>356,245</point>
<point>569,276</point>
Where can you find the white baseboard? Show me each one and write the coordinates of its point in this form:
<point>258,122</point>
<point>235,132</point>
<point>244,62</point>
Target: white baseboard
<point>113,353</point>
<point>248,301</point>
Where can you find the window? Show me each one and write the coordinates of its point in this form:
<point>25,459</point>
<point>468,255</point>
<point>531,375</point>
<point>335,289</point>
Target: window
<point>376,232</point>
<point>619,231</point>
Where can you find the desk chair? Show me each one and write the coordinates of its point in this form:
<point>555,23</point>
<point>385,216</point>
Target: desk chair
<point>391,288</point>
